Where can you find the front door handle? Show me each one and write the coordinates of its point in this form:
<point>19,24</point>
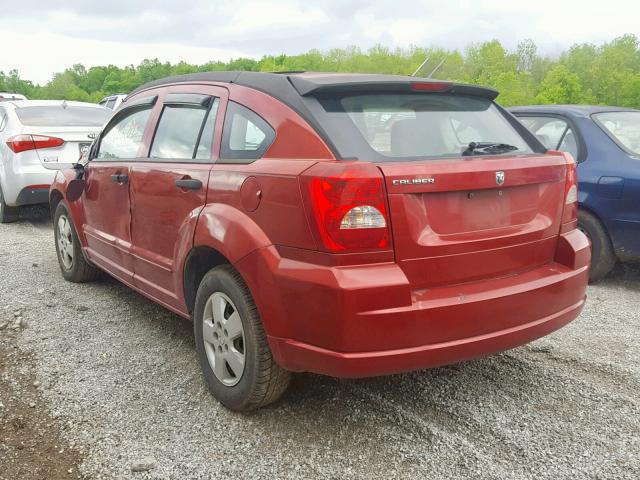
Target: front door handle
<point>120,177</point>
<point>189,184</point>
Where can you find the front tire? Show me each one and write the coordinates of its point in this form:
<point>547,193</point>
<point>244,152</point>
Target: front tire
<point>7,214</point>
<point>73,265</point>
<point>232,346</point>
<point>602,257</point>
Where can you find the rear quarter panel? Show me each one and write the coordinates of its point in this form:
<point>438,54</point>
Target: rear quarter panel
<point>259,204</point>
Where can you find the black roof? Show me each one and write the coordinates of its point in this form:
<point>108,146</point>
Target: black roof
<point>297,90</point>
<point>281,85</point>
<point>575,110</point>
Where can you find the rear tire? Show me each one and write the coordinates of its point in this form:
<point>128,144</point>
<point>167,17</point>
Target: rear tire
<point>602,257</point>
<point>227,329</point>
<point>7,214</point>
<point>74,267</point>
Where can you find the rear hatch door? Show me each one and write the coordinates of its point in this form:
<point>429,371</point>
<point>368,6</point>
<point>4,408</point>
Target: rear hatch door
<point>465,219</point>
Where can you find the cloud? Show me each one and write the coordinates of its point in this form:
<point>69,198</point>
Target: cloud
<point>123,32</point>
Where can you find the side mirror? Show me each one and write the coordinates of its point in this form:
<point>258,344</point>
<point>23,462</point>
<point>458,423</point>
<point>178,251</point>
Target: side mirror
<point>75,189</point>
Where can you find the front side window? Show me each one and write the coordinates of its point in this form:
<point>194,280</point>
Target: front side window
<point>553,132</point>
<point>245,135</point>
<point>111,103</point>
<point>123,139</point>
<point>623,127</point>
<point>408,126</point>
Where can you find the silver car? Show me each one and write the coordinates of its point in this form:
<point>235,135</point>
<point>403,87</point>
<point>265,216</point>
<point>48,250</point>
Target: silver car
<point>38,138</point>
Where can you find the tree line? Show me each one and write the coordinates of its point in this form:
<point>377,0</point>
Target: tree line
<point>607,74</point>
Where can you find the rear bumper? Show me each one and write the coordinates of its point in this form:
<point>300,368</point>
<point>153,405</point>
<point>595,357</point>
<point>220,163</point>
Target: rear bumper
<point>299,356</point>
<point>366,320</point>
<point>34,194</point>
<point>27,182</point>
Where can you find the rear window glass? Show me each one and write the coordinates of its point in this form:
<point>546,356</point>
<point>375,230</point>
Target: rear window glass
<point>59,116</point>
<point>417,126</point>
<point>624,127</point>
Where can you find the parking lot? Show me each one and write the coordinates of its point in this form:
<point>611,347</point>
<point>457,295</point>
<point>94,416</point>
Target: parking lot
<point>97,381</point>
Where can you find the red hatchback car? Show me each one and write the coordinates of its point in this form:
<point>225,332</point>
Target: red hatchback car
<point>347,225</point>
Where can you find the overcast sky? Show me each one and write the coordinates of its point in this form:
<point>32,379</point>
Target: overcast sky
<point>41,37</point>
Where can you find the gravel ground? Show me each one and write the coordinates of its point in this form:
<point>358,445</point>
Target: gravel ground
<point>119,380</point>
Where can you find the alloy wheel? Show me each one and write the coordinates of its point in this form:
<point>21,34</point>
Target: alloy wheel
<point>65,242</point>
<point>224,339</point>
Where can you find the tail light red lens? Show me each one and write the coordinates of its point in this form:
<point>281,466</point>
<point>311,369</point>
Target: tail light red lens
<point>349,206</point>
<point>430,86</point>
<point>22,143</point>
<point>570,212</point>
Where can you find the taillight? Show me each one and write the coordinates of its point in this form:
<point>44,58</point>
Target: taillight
<point>22,143</point>
<point>570,212</point>
<point>349,206</point>
<point>431,86</point>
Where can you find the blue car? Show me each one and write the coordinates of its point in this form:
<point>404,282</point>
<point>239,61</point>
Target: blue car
<point>605,141</point>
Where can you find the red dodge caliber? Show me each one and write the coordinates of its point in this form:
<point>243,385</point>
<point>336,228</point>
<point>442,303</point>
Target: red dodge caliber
<point>347,225</point>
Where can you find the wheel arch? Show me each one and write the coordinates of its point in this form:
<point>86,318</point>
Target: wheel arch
<point>199,261</point>
<point>55,197</point>
<point>223,235</point>
<point>587,209</point>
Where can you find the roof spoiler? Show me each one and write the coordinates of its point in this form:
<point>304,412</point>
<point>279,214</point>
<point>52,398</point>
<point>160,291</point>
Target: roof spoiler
<point>311,85</point>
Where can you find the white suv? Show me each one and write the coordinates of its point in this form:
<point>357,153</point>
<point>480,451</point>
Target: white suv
<point>37,138</point>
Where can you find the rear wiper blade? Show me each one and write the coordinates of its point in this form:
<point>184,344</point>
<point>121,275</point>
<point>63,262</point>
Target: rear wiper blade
<point>488,147</point>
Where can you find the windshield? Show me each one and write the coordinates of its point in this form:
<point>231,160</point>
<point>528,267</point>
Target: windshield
<point>416,125</point>
<point>59,116</point>
<point>623,127</point>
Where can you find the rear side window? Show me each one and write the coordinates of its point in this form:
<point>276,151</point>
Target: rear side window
<point>181,134</point>
<point>549,130</point>
<point>206,138</point>
<point>415,126</point>
<point>63,116</point>
<point>122,140</point>
<point>245,135</point>
<point>553,132</point>
<point>623,127</point>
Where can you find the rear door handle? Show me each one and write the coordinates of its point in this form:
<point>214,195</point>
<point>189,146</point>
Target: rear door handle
<point>189,184</point>
<point>120,177</point>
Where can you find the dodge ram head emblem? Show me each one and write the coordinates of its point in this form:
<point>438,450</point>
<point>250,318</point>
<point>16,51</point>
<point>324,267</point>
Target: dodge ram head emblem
<point>500,177</point>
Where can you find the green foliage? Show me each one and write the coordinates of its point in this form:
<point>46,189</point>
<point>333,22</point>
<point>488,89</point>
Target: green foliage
<point>586,73</point>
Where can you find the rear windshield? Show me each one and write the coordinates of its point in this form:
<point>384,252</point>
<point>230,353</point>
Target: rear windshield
<point>623,127</point>
<point>59,116</point>
<point>412,126</point>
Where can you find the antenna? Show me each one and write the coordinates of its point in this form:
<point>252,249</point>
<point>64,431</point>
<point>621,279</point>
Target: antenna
<point>420,67</point>
<point>437,67</point>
